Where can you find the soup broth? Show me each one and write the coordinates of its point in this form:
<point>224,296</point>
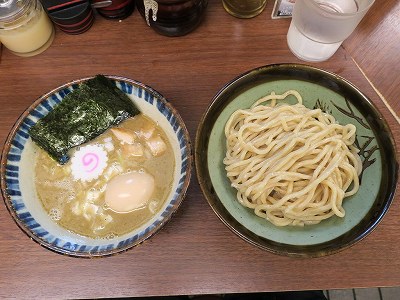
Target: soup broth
<point>80,206</point>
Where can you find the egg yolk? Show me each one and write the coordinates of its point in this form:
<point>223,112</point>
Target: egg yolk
<point>129,191</point>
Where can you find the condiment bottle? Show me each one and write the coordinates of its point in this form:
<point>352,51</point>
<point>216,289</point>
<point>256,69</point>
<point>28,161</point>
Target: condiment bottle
<point>172,17</point>
<point>244,8</point>
<point>118,9</point>
<point>25,28</point>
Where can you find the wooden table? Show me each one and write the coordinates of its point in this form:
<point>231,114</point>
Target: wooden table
<point>195,253</point>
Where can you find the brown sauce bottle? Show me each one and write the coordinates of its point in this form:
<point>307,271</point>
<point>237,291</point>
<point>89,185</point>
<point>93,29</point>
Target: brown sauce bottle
<point>172,17</point>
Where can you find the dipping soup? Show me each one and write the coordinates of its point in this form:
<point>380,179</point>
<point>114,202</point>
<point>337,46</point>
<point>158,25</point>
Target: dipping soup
<point>111,185</point>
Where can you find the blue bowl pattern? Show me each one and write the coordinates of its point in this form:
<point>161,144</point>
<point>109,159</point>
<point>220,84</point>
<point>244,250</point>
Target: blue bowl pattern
<point>14,147</point>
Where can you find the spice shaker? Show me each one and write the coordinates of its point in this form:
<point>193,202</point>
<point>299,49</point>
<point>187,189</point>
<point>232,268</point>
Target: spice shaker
<point>172,17</point>
<point>25,28</point>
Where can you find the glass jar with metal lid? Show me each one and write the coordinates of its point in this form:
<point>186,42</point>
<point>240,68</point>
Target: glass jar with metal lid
<point>25,28</point>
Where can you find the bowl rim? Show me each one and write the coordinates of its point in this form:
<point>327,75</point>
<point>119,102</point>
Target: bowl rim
<point>201,158</point>
<point>130,242</point>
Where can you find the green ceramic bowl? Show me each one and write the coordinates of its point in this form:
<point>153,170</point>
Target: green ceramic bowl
<point>347,104</point>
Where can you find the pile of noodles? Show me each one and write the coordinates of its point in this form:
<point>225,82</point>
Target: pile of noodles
<point>291,164</point>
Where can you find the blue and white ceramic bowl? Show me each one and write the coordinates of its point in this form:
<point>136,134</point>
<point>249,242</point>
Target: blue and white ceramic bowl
<point>17,174</point>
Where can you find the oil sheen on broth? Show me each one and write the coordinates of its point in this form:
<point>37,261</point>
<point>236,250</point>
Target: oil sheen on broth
<point>136,146</point>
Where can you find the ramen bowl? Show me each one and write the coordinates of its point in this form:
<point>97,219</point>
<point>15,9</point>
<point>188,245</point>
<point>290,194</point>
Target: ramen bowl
<point>20,194</point>
<point>332,94</point>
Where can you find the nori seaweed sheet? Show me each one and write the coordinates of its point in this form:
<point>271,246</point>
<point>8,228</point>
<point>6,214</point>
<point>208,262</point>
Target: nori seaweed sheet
<point>84,114</point>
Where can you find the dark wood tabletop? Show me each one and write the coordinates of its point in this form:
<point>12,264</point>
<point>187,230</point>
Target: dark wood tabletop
<point>195,253</point>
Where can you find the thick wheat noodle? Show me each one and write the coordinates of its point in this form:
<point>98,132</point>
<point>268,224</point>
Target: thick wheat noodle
<point>291,164</point>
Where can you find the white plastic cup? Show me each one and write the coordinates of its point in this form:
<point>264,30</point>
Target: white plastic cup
<point>319,27</point>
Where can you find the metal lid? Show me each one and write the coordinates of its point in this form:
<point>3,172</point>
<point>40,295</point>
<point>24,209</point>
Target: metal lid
<point>10,9</point>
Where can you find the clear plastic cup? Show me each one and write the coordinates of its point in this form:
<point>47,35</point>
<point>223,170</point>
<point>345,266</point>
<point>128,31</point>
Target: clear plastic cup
<point>319,27</point>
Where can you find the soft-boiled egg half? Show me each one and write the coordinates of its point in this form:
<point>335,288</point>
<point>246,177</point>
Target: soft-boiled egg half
<point>129,191</point>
